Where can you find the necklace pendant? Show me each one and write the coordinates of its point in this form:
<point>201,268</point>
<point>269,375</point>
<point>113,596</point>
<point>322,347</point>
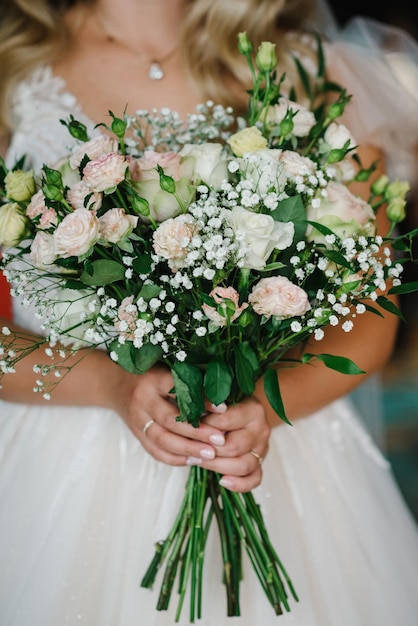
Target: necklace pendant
<point>155,71</point>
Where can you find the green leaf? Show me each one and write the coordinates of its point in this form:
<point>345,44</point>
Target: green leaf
<point>188,383</point>
<point>321,58</point>
<point>304,77</point>
<point>102,272</point>
<point>146,356</point>
<point>74,284</point>
<point>324,230</point>
<point>149,291</point>
<point>339,363</point>
<point>217,381</point>
<point>278,265</point>
<point>389,306</point>
<point>336,257</point>
<point>246,367</point>
<point>142,264</point>
<point>135,360</point>
<point>290,210</point>
<point>125,245</point>
<point>272,391</point>
<point>404,288</point>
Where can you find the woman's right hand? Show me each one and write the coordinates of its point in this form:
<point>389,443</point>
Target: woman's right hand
<point>147,399</point>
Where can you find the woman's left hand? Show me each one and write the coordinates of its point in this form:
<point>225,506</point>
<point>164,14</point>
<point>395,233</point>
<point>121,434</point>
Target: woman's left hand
<point>240,458</point>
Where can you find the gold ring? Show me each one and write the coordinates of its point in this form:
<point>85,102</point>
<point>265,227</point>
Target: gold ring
<point>147,425</point>
<point>259,458</point>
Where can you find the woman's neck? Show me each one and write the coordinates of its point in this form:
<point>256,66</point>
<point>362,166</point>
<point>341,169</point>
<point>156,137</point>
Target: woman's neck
<point>148,27</point>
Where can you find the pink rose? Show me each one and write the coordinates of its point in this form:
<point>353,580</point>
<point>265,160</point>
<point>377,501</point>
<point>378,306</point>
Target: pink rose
<point>127,316</point>
<point>172,163</point>
<point>342,212</point>
<point>172,238</point>
<point>76,234</point>
<point>42,250</point>
<point>37,205</point>
<point>95,148</point>
<point>48,218</point>
<point>277,296</point>
<point>115,224</point>
<point>105,172</point>
<point>228,309</point>
<point>296,164</point>
<point>78,193</point>
<point>303,121</point>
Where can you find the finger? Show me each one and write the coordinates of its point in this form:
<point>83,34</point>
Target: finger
<point>163,443</point>
<point>204,433</point>
<point>241,466</point>
<point>250,436</point>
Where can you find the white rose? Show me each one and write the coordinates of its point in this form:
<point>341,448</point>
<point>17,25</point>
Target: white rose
<point>303,121</point>
<point>337,135</point>
<point>42,250</point>
<point>19,185</point>
<point>144,172</point>
<point>115,224</point>
<point>13,225</point>
<point>210,165</point>
<point>278,297</point>
<point>164,205</point>
<point>76,234</point>
<point>342,212</point>
<point>262,235</point>
<point>69,315</point>
<point>345,170</point>
<point>249,139</point>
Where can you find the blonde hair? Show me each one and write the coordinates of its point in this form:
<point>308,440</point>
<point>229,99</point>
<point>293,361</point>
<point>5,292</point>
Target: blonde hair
<point>33,32</point>
<point>211,35</point>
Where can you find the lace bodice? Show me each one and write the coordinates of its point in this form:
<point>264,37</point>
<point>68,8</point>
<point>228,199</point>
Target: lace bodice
<point>39,103</point>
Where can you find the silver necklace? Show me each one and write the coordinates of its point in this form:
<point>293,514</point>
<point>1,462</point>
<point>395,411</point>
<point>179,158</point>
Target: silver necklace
<point>155,65</point>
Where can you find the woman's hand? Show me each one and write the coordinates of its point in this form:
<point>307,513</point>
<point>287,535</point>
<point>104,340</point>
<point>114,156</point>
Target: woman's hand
<point>231,441</point>
<point>150,411</point>
<point>247,433</point>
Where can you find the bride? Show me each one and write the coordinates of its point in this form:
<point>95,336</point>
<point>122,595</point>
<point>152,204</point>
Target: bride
<point>90,480</point>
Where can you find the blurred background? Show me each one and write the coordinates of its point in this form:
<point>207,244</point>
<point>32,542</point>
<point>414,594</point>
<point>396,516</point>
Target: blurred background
<point>399,379</point>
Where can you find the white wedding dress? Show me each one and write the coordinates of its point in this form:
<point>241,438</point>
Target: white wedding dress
<point>82,503</point>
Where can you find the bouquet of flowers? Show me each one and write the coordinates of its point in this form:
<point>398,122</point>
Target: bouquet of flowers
<point>214,246</point>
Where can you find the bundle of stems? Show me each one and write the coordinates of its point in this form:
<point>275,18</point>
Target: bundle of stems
<point>240,524</point>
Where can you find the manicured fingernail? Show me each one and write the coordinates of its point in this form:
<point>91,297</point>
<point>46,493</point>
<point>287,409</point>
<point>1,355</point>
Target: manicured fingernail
<point>219,408</point>
<point>226,482</point>
<point>217,439</point>
<point>192,460</point>
<point>207,453</point>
